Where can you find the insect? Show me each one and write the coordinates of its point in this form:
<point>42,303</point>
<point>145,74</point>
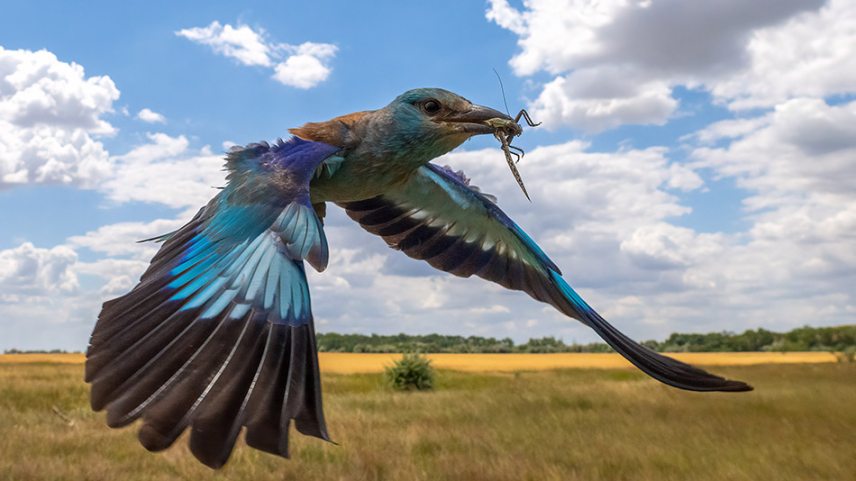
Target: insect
<point>505,130</point>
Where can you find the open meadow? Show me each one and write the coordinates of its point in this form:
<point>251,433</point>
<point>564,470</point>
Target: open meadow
<point>582,423</point>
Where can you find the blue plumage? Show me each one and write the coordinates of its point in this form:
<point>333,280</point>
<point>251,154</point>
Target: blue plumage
<point>218,335</point>
<point>236,259</point>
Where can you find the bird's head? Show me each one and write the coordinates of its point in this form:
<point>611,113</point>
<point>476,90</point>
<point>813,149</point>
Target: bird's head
<point>419,125</point>
<point>434,121</point>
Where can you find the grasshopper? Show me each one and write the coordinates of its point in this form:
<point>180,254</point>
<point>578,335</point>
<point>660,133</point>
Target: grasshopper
<point>505,130</point>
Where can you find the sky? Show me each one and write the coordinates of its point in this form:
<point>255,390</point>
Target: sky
<point>693,172</point>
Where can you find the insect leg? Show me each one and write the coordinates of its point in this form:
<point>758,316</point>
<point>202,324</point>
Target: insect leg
<point>523,113</point>
<point>517,152</point>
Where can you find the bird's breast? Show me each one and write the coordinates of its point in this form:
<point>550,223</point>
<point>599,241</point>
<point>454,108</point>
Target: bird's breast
<point>358,178</point>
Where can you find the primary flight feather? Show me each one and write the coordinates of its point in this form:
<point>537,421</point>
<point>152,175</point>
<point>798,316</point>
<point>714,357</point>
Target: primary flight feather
<point>218,334</point>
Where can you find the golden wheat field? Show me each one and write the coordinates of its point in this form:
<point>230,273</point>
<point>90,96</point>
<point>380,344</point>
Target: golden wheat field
<point>536,423</point>
<point>348,363</point>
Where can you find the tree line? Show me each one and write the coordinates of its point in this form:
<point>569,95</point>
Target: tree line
<point>838,338</point>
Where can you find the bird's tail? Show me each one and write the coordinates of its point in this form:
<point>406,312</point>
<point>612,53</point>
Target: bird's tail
<point>661,368</point>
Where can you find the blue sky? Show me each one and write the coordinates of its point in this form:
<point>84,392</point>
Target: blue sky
<point>690,173</point>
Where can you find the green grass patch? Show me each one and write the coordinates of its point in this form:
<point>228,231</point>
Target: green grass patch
<point>551,425</point>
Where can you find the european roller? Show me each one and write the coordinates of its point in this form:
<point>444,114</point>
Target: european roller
<point>218,334</point>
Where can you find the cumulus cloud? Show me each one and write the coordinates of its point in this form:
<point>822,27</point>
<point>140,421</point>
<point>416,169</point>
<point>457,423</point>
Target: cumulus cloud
<point>241,43</point>
<point>810,55</point>
<point>151,117</point>
<point>123,238</point>
<point>26,269</point>
<point>302,66</point>
<point>805,148</point>
<point>726,129</point>
<point>307,66</point>
<point>50,298</point>
<point>797,264</point>
<point>51,115</point>
<point>165,170</point>
<point>594,100</point>
<point>616,62</point>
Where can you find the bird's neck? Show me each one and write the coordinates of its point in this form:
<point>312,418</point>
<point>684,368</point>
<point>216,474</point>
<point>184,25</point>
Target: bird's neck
<point>380,135</point>
<point>343,131</point>
<point>380,151</point>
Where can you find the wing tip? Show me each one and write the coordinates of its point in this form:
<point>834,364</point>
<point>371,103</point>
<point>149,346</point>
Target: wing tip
<point>731,385</point>
<point>153,440</point>
<point>215,457</point>
<point>697,380</point>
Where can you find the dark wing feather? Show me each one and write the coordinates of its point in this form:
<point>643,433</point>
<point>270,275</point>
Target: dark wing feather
<point>218,334</point>
<point>435,216</point>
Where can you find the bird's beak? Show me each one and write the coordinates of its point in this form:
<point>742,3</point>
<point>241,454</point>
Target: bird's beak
<point>476,120</point>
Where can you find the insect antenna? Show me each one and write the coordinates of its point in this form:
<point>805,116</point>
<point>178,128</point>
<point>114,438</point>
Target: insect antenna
<point>502,89</point>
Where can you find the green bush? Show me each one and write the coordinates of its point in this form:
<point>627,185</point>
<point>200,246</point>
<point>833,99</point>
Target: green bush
<point>847,355</point>
<point>411,372</point>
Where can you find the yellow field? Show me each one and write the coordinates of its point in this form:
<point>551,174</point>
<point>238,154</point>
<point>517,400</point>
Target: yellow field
<point>352,363</point>
<point>347,363</point>
<point>42,358</point>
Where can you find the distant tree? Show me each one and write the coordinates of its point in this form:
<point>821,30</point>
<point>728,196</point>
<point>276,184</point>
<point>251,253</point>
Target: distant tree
<point>836,339</point>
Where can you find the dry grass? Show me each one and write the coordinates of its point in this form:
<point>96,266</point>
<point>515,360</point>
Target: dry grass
<point>574,424</point>
<point>348,363</point>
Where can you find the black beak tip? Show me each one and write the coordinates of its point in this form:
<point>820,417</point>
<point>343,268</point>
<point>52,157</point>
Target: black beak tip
<point>483,113</point>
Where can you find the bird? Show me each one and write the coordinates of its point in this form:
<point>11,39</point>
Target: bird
<point>217,337</point>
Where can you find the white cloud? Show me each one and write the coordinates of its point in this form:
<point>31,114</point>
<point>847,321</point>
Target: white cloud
<point>797,264</point>
<point>805,149</point>
<point>151,117</point>
<point>50,116</point>
<point>123,239</point>
<point>166,171</point>
<point>616,62</point>
<point>50,298</point>
<point>241,43</point>
<point>26,268</point>
<point>726,129</point>
<point>810,55</point>
<point>303,66</point>
<point>307,66</point>
<point>586,101</point>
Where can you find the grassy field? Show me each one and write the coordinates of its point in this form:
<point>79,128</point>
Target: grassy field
<point>570,424</point>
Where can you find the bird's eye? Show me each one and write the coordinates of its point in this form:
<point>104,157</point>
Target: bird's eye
<point>431,107</point>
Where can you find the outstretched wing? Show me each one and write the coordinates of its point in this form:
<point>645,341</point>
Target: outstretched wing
<point>218,334</point>
<point>435,216</point>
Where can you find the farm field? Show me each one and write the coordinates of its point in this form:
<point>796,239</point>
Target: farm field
<point>348,363</point>
<point>610,423</point>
